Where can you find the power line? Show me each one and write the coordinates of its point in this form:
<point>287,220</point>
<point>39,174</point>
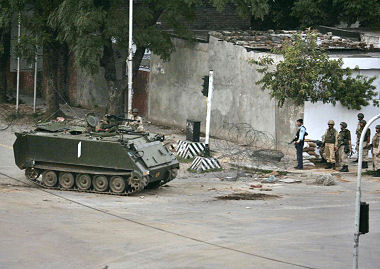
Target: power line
<point>163,230</point>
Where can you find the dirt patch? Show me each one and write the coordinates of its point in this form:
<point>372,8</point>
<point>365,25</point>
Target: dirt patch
<point>248,196</point>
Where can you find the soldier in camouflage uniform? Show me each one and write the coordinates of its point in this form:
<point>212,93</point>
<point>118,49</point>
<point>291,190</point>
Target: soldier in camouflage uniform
<point>331,144</point>
<point>137,124</point>
<point>366,142</point>
<point>358,133</point>
<point>344,146</point>
<point>108,124</point>
<point>376,151</point>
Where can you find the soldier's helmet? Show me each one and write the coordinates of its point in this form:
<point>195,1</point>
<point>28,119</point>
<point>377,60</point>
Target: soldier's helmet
<point>361,116</point>
<point>377,126</point>
<point>344,125</point>
<point>331,122</point>
<point>363,122</point>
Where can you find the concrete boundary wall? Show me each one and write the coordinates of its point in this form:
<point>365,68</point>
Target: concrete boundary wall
<point>238,103</point>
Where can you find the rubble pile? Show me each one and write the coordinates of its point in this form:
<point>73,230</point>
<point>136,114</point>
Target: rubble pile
<point>325,180</point>
<point>266,40</point>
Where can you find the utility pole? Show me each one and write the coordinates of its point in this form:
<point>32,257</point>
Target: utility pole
<point>130,55</point>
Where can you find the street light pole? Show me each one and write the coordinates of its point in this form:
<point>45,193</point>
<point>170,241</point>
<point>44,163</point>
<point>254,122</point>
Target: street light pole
<point>358,194</point>
<point>208,117</point>
<point>130,55</point>
<point>18,63</point>
<point>35,83</point>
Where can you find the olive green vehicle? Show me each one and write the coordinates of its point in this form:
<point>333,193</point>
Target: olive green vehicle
<point>59,156</point>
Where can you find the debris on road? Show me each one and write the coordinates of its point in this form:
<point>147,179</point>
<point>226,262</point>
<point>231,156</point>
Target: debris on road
<point>265,189</point>
<point>270,179</point>
<point>248,196</point>
<point>325,180</point>
<point>257,186</point>
<point>290,180</point>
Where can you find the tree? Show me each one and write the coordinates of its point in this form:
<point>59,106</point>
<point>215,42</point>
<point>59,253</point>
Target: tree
<point>331,13</point>
<point>5,37</point>
<point>294,14</point>
<point>277,17</point>
<point>97,29</point>
<point>307,74</point>
<point>34,16</point>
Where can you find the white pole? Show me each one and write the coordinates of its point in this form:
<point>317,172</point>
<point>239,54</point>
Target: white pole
<point>18,64</point>
<point>358,193</point>
<point>209,98</point>
<point>130,54</point>
<point>35,83</point>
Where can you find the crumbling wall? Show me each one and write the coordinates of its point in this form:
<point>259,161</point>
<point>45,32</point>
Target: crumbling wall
<point>240,108</point>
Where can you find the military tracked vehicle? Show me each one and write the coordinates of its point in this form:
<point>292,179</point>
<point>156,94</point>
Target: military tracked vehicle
<point>121,161</point>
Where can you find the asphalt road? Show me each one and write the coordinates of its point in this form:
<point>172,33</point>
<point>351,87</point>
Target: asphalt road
<point>182,225</point>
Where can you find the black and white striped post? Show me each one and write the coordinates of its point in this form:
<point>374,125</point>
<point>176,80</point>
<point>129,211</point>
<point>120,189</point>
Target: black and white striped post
<point>206,162</point>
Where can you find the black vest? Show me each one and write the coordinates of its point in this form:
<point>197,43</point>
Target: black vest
<point>298,133</point>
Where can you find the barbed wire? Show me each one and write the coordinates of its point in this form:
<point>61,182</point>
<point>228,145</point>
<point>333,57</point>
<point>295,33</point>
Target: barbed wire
<point>245,146</point>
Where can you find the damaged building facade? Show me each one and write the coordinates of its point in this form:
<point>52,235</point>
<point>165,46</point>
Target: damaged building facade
<point>238,101</point>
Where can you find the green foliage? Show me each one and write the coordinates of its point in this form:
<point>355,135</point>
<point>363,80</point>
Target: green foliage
<point>307,74</point>
<point>256,8</point>
<point>33,15</point>
<point>88,25</point>
<point>278,17</point>
<point>327,12</point>
<point>292,14</point>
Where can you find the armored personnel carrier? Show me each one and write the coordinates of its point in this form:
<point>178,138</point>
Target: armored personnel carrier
<point>59,156</point>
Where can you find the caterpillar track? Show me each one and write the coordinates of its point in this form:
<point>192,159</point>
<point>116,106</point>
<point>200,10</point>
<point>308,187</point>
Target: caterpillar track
<point>34,175</point>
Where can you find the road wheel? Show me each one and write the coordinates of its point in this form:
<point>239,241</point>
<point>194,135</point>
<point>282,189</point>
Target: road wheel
<point>83,182</point>
<point>117,184</point>
<point>100,183</point>
<point>137,182</point>
<point>49,178</point>
<point>66,180</point>
<point>31,173</point>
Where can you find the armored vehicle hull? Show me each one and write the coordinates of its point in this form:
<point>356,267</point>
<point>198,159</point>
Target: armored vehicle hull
<point>112,163</point>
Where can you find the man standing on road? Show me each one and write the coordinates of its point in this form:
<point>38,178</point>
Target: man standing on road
<point>299,142</point>
<point>344,146</point>
<point>376,151</point>
<point>331,144</point>
<point>358,134</point>
<point>366,141</point>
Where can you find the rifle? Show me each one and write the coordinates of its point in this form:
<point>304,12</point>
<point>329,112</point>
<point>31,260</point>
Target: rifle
<point>118,118</point>
<point>294,140</point>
